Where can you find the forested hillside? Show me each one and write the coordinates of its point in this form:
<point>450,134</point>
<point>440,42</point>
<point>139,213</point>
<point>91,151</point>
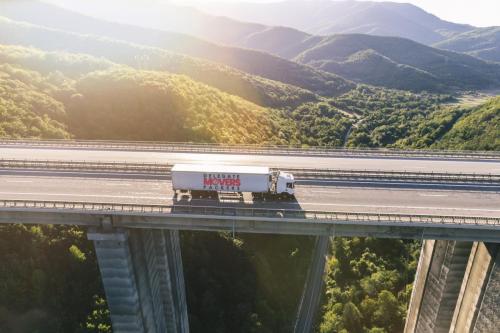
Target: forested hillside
<point>477,129</point>
<point>142,105</point>
<point>27,108</point>
<point>427,124</point>
<point>122,102</point>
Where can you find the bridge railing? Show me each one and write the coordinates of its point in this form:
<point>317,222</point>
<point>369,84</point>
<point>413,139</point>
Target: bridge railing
<point>299,173</point>
<point>228,212</point>
<point>440,177</point>
<point>248,148</point>
<point>101,166</point>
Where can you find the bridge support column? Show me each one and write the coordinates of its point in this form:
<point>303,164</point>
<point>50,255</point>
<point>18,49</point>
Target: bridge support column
<point>173,288</point>
<point>437,286</point>
<point>478,307</point>
<point>143,278</point>
<point>311,296</point>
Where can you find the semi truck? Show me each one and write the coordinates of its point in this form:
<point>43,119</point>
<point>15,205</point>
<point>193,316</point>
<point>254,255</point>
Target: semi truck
<point>205,180</point>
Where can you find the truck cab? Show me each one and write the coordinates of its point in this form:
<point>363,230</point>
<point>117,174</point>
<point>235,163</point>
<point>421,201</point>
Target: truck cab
<point>285,184</point>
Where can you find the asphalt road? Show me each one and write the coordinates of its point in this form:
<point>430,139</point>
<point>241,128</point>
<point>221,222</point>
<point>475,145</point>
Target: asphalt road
<point>344,163</point>
<point>313,196</point>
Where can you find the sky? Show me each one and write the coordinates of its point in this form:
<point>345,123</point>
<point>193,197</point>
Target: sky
<point>480,13</point>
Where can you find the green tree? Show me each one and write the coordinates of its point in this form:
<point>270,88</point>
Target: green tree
<point>387,313</point>
<point>98,321</point>
<point>352,318</point>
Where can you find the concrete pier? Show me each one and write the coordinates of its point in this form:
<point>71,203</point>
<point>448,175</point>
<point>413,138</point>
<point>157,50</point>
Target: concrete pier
<point>438,286</point>
<point>456,289</point>
<point>143,278</point>
<point>478,308</point>
<point>177,287</point>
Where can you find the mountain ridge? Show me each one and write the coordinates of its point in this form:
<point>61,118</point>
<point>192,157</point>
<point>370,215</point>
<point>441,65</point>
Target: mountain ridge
<point>334,17</point>
<point>310,62</point>
<point>449,70</point>
<point>483,43</point>
<point>259,90</point>
<point>250,61</point>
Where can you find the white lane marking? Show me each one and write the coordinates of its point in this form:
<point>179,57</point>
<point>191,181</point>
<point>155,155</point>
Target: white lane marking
<point>329,192</point>
<point>19,181</point>
<point>402,183</point>
<point>84,195</point>
<point>432,195</point>
<point>118,184</point>
<point>77,173</point>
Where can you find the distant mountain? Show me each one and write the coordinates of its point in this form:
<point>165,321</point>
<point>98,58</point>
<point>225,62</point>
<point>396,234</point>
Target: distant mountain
<point>253,88</point>
<point>250,61</point>
<point>399,63</point>
<point>384,61</point>
<point>279,27</point>
<point>333,17</point>
<point>483,43</point>
<point>314,63</point>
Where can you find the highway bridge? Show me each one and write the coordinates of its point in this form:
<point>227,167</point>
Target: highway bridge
<point>122,193</point>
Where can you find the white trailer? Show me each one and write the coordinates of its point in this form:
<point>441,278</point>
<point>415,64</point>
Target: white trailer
<point>207,179</point>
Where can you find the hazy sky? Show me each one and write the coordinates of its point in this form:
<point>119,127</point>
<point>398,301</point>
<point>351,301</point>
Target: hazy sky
<point>476,12</point>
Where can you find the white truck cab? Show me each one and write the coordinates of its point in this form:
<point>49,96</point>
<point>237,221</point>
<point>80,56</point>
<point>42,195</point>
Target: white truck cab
<point>285,183</point>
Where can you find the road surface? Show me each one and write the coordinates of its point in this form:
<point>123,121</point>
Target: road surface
<point>311,196</point>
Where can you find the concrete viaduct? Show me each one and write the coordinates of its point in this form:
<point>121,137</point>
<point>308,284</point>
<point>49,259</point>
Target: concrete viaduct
<point>449,200</point>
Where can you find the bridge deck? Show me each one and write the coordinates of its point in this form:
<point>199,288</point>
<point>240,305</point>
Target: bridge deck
<point>311,195</point>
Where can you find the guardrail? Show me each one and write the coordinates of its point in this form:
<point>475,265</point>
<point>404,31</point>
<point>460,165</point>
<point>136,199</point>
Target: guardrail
<point>300,174</point>
<point>250,149</point>
<point>238,212</point>
<point>404,176</point>
<point>85,166</point>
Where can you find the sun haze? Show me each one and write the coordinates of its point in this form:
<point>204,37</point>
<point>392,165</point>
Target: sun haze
<point>478,13</point>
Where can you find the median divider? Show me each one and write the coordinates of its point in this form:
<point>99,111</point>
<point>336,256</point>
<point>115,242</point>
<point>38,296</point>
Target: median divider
<point>299,174</point>
<point>85,166</point>
<point>396,176</point>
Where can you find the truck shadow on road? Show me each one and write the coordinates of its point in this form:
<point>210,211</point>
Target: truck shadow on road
<point>278,207</point>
